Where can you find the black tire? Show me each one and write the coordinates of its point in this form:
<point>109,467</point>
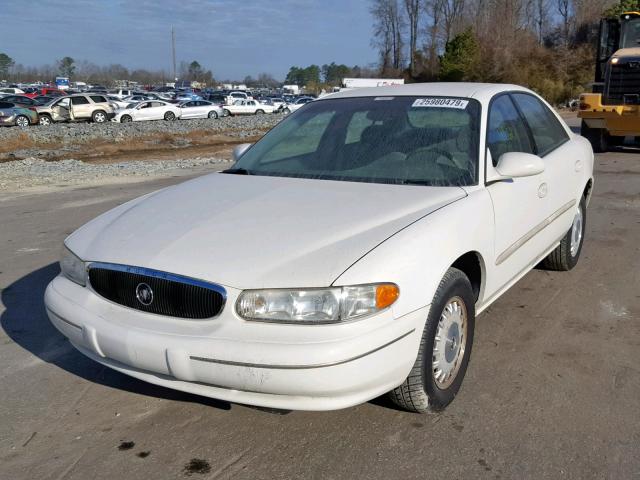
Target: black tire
<point>259,112</point>
<point>126,119</point>
<point>420,392</point>
<point>169,116</point>
<point>212,114</point>
<point>226,113</point>
<point>99,116</point>
<point>563,259</point>
<point>22,121</point>
<point>286,111</point>
<point>45,120</point>
<point>598,137</point>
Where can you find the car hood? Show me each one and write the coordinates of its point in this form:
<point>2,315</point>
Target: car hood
<point>256,231</point>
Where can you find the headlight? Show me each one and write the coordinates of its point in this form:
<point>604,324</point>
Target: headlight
<point>72,267</point>
<point>316,305</point>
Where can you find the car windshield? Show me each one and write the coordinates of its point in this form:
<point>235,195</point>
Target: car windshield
<point>400,140</point>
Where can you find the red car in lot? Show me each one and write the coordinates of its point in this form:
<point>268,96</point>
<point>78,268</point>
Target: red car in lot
<point>46,91</point>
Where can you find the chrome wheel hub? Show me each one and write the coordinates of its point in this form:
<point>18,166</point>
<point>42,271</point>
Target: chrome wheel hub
<point>449,344</point>
<point>576,233</point>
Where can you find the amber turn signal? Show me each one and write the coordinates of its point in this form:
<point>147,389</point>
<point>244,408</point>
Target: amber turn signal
<point>386,295</point>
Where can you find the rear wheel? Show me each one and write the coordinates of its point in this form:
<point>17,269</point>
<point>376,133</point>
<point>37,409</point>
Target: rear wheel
<point>45,120</point>
<point>99,116</point>
<point>169,116</point>
<point>226,113</point>
<point>598,137</point>
<point>22,121</point>
<point>444,350</point>
<point>566,255</point>
<point>286,111</point>
<point>126,119</point>
<point>259,112</point>
<point>212,114</point>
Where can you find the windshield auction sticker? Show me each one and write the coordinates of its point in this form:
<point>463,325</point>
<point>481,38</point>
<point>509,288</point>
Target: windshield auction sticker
<point>441,103</point>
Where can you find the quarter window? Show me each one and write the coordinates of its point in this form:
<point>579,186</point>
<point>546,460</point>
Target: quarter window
<point>547,131</point>
<point>507,131</point>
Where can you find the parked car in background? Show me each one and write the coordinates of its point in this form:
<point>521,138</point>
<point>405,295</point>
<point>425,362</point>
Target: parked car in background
<point>18,115</point>
<point>149,110</point>
<point>247,107</point>
<point>200,109</point>
<point>89,107</point>
<point>11,91</point>
<point>22,100</point>
<point>118,102</point>
<point>43,99</point>
<point>137,98</point>
<point>187,96</point>
<point>297,104</point>
<point>409,211</point>
<point>120,92</point>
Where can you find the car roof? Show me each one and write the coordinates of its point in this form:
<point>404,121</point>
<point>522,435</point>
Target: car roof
<point>481,91</point>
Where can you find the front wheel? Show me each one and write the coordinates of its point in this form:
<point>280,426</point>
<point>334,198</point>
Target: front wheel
<point>259,112</point>
<point>126,119</point>
<point>169,116</point>
<point>226,113</point>
<point>212,114</point>
<point>22,121</point>
<point>286,111</point>
<point>45,120</point>
<point>566,255</point>
<point>444,350</point>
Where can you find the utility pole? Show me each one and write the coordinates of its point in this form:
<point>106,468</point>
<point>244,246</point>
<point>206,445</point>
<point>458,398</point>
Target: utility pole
<point>173,51</point>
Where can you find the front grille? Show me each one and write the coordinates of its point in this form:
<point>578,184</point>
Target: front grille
<point>623,79</point>
<point>157,292</point>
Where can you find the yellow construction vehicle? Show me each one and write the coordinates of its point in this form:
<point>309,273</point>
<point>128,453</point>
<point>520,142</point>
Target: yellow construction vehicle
<point>612,111</point>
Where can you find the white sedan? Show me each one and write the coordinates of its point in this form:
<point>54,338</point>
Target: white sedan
<point>299,103</point>
<point>248,107</point>
<point>149,110</point>
<point>200,109</point>
<point>346,254</point>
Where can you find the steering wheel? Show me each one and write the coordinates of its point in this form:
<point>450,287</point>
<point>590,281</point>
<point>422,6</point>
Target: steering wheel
<point>445,173</point>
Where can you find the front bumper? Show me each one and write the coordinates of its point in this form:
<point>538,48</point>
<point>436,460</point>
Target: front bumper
<point>321,367</point>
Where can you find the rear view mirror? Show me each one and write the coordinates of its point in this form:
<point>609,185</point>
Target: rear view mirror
<point>239,150</point>
<point>517,165</point>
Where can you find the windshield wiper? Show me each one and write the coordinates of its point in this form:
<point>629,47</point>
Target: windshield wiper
<point>237,171</point>
<point>416,182</point>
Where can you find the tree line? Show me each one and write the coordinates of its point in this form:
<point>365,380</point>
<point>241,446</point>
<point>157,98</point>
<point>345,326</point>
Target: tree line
<point>547,45</point>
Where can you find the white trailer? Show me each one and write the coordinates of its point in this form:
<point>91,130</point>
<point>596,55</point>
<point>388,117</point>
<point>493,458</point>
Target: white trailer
<point>370,82</point>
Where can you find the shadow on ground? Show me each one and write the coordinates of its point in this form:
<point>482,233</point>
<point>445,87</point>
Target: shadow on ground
<point>26,323</point>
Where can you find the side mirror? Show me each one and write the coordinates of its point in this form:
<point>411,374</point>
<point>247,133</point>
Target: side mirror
<point>239,150</point>
<point>516,165</point>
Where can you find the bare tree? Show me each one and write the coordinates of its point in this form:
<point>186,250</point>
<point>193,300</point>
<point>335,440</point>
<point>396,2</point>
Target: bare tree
<point>388,33</point>
<point>452,12</point>
<point>413,9</point>
<point>564,9</point>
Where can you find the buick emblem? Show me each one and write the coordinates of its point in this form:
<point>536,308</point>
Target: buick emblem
<point>144,294</point>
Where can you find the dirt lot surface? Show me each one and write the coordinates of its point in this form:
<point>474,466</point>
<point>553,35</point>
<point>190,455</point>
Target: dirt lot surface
<point>552,391</point>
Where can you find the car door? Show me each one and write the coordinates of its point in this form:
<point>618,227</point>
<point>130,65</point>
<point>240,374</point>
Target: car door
<point>203,108</point>
<point>61,110</point>
<point>189,110</point>
<point>80,108</point>
<point>142,111</point>
<point>563,169</point>
<point>519,204</point>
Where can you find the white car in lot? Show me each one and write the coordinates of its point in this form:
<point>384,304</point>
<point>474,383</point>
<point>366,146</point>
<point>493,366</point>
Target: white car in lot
<point>247,107</point>
<point>200,109</point>
<point>148,110</point>
<point>346,254</point>
<point>296,105</point>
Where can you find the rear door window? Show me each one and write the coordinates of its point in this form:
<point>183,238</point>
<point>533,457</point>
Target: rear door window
<point>548,133</point>
<point>79,101</point>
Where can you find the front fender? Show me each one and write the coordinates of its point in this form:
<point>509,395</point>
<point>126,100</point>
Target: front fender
<point>417,257</point>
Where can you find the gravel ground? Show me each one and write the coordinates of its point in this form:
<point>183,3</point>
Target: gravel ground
<point>25,174</point>
<point>66,133</point>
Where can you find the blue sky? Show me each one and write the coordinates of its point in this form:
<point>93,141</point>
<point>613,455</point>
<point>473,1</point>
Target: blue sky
<point>233,38</point>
